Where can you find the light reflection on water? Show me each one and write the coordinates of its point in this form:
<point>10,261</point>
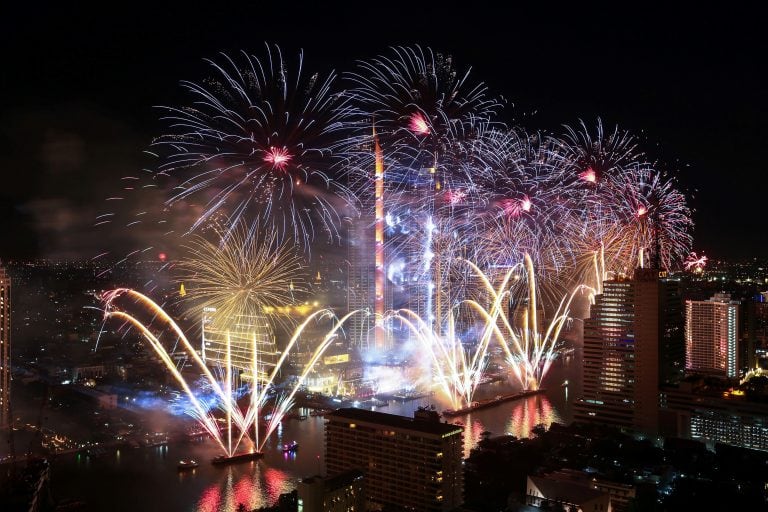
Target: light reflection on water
<point>257,488</point>
<point>129,480</point>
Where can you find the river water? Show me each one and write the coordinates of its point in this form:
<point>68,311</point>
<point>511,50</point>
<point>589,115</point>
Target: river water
<point>147,479</point>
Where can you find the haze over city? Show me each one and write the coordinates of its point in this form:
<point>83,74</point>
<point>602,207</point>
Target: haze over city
<point>382,257</point>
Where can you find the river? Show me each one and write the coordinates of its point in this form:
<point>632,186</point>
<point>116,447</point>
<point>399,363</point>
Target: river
<point>147,479</point>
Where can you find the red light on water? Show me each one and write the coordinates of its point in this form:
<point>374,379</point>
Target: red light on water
<point>162,256</point>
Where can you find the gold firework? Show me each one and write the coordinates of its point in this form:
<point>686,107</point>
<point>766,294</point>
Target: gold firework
<point>243,276</point>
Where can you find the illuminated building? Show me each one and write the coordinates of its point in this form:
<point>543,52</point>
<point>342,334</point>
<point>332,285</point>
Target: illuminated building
<point>413,463</point>
<point>344,492</point>
<point>712,336</point>
<point>417,241</point>
<point>5,348</point>
<point>697,410</point>
<point>234,339</point>
<point>379,279</point>
<point>632,345</point>
<point>367,286</point>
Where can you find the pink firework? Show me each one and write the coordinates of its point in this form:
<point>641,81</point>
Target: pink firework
<point>278,157</point>
<point>589,175</point>
<point>454,197</point>
<point>695,263</point>
<point>419,125</point>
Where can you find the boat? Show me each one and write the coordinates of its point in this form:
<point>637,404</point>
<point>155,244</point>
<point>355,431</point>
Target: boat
<point>186,465</point>
<point>482,404</point>
<point>291,448</point>
<point>222,460</point>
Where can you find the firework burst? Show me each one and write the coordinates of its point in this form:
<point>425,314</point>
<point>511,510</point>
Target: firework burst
<point>263,143</point>
<point>241,276</point>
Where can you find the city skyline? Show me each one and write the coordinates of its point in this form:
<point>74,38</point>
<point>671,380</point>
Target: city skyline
<point>653,74</point>
<point>277,258</point>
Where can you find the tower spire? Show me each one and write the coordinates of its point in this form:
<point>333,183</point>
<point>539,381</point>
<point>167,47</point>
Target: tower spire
<point>380,335</point>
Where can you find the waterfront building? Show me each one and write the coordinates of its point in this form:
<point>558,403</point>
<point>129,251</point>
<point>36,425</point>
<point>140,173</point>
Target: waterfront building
<point>712,336</point>
<point>412,463</point>
<point>633,343</point>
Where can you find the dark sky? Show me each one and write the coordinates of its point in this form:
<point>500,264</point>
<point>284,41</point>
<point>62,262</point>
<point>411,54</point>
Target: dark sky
<point>78,86</point>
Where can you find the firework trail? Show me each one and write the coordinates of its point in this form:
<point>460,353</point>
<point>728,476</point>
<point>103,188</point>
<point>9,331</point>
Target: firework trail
<point>529,343</point>
<point>241,426</point>
<point>427,115</point>
<point>261,142</point>
<point>530,209</point>
<point>594,161</point>
<point>243,275</point>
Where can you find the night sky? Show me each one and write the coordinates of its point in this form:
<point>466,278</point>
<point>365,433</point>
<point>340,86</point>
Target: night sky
<point>78,89</point>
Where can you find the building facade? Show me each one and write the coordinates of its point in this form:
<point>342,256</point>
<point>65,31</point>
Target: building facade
<point>712,336</point>
<point>5,348</point>
<point>412,463</point>
<point>694,410</point>
<point>633,343</point>
<point>344,492</point>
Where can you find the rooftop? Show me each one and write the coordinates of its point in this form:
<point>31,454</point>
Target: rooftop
<point>336,482</point>
<point>564,490</point>
<point>394,421</point>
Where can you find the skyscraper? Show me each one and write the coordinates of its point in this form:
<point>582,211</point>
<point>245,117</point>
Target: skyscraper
<point>367,284</point>
<point>413,463</point>
<point>5,348</point>
<point>712,336</point>
<point>632,345</point>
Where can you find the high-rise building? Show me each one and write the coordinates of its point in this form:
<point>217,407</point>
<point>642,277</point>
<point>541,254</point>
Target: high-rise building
<point>367,285</point>
<point>360,280</point>
<point>413,463</point>
<point>632,345</point>
<point>712,336</point>
<point>5,348</point>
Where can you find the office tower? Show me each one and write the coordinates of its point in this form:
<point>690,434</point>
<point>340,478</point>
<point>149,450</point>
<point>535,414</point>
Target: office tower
<point>712,336</point>
<point>632,345</point>
<point>5,348</point>
<point>414,463</point>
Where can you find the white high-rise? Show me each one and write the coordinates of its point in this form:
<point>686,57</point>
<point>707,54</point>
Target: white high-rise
<point>712,336</point>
